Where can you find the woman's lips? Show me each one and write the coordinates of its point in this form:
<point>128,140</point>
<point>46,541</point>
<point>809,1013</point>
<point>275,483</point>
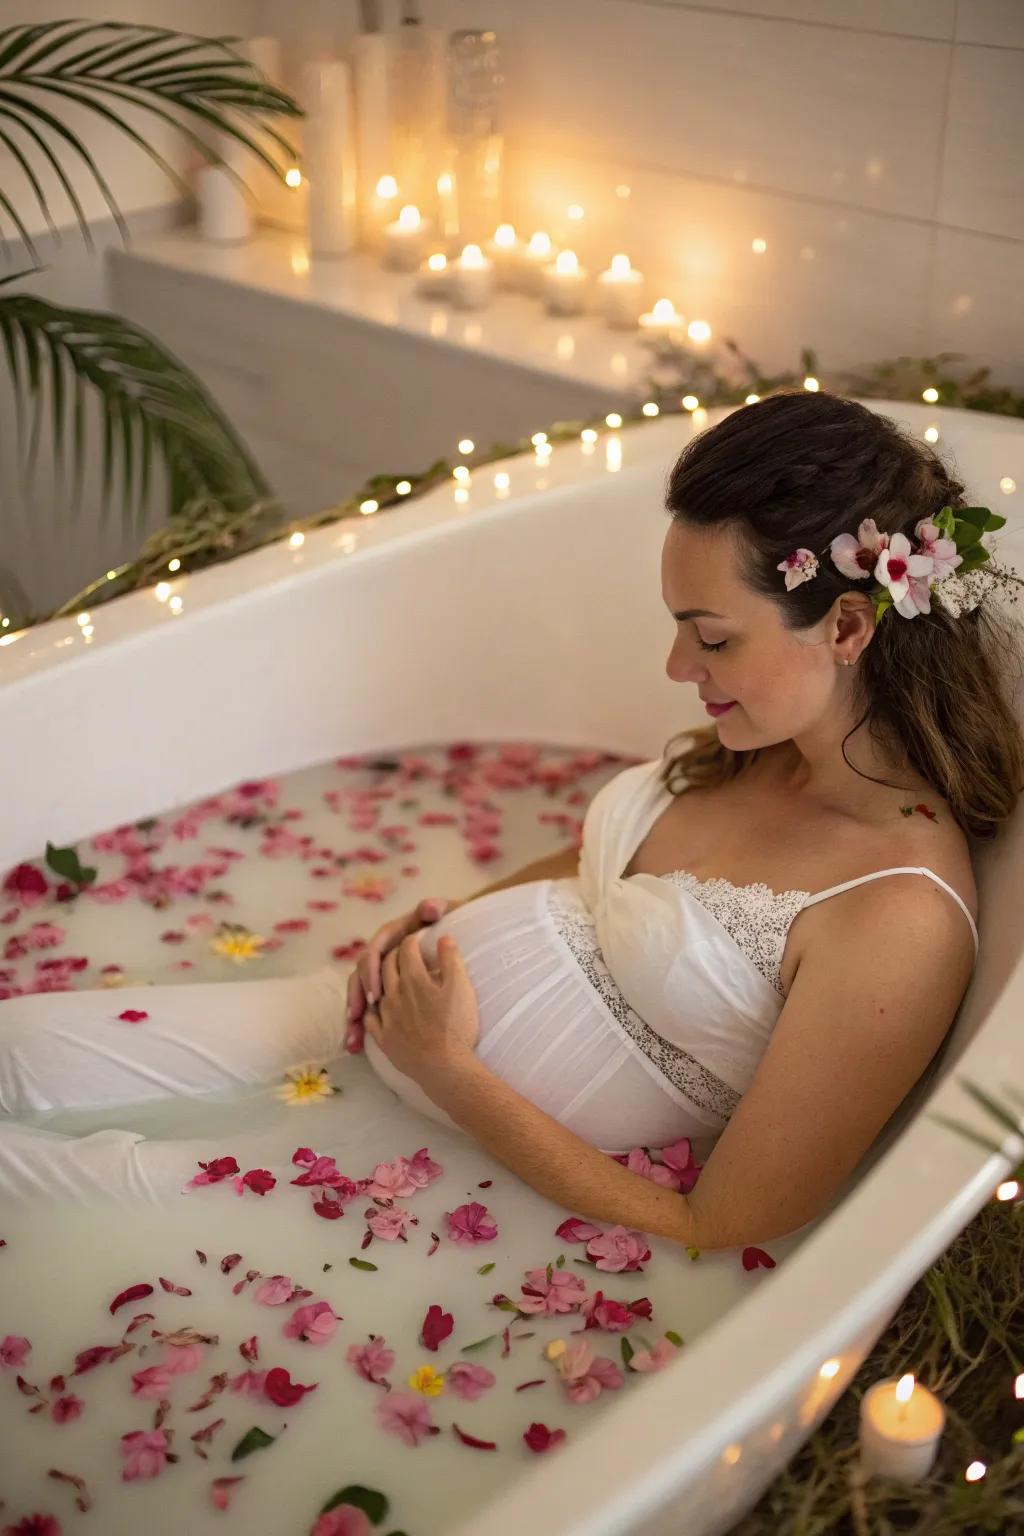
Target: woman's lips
<point>719,709</point>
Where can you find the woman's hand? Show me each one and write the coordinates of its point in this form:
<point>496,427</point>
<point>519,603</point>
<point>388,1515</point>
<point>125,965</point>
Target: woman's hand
<point>425,1023</point>
<point>365,980</point>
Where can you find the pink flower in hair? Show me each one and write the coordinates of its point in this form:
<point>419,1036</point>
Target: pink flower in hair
<point>942,550</point>
<point>857,557</point>
<point>800,565</point>
<point>906,576</point>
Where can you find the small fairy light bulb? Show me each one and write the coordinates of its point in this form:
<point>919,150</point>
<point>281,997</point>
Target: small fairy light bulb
<point>293,176</point>
<point>460,472</point>
<point>931,395</point>
<point>111,575</point>
<point>175,604</point>
<point>538,438</point>
<point>651,409</point>
<point>689,402</point>
<point>466,445</point>
<point>297,540</point>
<point>811,384</point>
<point>751,399</point>
<point>931,434</point>
<point>1018,1387</point>
<point>831,1368</point>
<point>461,494</point>
<point>975,1472</point>
<point>1007,485</point>
<point>502,481</point>
<point>403,488</point>
<point>87,631</point>
<point>174,565</point>
<point>698,330</point>
<point>84,619</point>
<point>367,508</point>
<point>588,435</point>
<point>1008,1191</point>
<point>613,420</point>
<point>5,623</point>
<point>162,591</point>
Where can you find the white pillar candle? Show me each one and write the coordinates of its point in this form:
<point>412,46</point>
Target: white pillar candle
<point>435,279</point>
<point>330,156</point>
<point>403,240</point>
<point>565,284</point>
<point>536,257</point>
<point>901,1424</point>
<point>663,320</point>
<point>472,279</point>
<point>369,58</point>
<point>621,289</point>
<point>224,216</point>
<point>506,250</point>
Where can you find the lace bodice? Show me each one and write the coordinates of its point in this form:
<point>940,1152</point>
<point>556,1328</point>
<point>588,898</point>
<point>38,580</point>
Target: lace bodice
<point>755,917</point>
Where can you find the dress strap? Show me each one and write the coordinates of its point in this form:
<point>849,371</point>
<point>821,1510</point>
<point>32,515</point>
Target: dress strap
<point>908,869</point>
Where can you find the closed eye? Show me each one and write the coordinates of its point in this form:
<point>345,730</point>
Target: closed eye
<point>705,647</point>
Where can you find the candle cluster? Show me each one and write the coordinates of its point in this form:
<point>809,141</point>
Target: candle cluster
<point>533,267</point>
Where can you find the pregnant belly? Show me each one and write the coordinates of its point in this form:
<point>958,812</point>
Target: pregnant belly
<point>543,1030</point>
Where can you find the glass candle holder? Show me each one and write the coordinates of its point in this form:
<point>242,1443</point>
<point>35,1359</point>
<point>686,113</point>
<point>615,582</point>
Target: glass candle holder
<point>475,144</point>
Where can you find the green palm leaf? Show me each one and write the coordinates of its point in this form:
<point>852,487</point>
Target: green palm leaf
<point>152,405</point>
<point>200,85</point>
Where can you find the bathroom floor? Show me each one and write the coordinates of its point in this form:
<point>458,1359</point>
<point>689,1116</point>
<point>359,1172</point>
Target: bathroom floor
<point>247,1291</point>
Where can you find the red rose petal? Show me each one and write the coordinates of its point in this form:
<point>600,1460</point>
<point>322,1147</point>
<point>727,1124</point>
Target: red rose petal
<point>133,1293</point>
<point>473,1442</point>
<point>133,1015</point>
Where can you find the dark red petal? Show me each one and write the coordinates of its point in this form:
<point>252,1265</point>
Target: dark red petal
<point>133,1293</point>
<point>473,1442</point>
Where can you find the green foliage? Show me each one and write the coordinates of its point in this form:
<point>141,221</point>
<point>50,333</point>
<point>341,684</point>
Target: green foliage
<point>373,1504</point>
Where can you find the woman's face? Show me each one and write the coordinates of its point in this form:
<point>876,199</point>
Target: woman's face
<point>775,684</point>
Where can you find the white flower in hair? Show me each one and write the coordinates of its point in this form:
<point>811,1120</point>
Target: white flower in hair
<point>800,565</point>
<point>906,576</point>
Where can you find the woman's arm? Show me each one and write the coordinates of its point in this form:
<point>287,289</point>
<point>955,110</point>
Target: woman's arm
<point>551,1159</point>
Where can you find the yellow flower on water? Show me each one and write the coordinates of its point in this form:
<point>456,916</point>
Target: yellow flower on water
<point>306,1085</point>
<point>113,979</point>
<point>428,1381</point>
<point>555,1350</point>
<point>237,943</point>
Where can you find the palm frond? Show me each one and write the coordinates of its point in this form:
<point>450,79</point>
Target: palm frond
<point>200,85</point>
<point>153,406</point>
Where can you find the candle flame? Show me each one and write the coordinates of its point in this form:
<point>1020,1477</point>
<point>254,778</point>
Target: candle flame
<point>387,187</point>
<point>566,261</point>
<point>540,244</point>
<point>505,235</point>
<point>472,256</point>
<point>445,184</point>
<point>904,1387</point>
<point>620,266</point>
<point>409,217</point>
<point>437,262</point>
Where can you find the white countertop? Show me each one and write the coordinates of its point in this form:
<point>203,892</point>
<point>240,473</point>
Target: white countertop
<point>513,328</point>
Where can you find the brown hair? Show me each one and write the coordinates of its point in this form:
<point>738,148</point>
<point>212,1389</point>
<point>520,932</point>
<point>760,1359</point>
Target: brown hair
<point>796,469</point>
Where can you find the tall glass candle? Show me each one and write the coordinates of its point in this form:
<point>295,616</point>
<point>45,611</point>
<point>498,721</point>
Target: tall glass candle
<point>901,1425</point>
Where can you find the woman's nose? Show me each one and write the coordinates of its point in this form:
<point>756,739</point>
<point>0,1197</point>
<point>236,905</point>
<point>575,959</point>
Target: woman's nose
<point>683,669</point>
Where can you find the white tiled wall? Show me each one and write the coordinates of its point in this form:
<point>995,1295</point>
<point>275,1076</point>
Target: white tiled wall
<point>874,145</point>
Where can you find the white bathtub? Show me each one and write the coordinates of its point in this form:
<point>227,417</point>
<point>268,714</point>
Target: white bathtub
<point>534,615</point>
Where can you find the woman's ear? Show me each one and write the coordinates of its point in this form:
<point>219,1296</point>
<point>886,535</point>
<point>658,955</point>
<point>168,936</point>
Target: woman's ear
<point>853,627</point>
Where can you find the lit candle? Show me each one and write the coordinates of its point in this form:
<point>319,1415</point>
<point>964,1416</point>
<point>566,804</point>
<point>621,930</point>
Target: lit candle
<point>621,289</point>
<point>506,250</point>
<point>381,210</point>
<point>663,320</point>
<point>901,1424</point>
<point>472,279</point>
<point>403,249</point>
<point>564,284</point>
<point>435,277</point>
<point>535,258</point>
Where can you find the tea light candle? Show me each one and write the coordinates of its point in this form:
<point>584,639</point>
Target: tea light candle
<point>380,210</point>
<point>472,279</point>
<point>506,250</point>
<point>403,240</point>
<point>663,320</point>
<point>565,284</point>
<point>621,289</point>
<point>901,1424</point>
<point>536,257</point>
<point>435,277</point>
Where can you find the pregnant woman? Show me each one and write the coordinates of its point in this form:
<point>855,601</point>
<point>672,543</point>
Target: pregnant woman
<point>766,932</point>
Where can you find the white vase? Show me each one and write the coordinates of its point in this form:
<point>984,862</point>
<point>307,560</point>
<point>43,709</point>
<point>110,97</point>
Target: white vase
<point>330,158</point>
<point>417,92</point>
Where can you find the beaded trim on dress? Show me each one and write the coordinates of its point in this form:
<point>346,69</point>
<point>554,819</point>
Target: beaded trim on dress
<point>755,917</point>
<point>684,1072</point>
